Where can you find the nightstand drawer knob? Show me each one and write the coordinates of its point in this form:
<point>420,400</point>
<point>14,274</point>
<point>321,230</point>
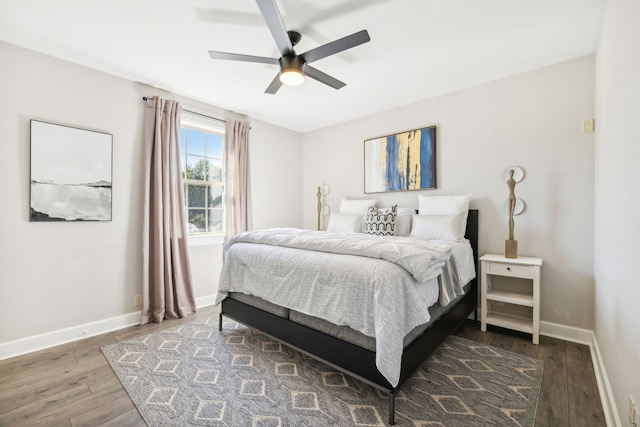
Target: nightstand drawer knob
<point>509,268</point>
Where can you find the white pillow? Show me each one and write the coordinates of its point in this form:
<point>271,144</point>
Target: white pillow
<point>403,221</point>
<point>345,223</point>
<point>437,227</point>
<point>355,206</point>
<point>446,205</point>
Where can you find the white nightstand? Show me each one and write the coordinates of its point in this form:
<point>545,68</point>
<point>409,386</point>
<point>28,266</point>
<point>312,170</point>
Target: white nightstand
<point>521,267</point>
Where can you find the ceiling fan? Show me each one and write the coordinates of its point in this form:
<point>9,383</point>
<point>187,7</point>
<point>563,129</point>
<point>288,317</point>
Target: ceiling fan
<point>294,67</point>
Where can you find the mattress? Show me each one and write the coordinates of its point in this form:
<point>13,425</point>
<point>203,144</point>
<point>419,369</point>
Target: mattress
<point>342,332</point>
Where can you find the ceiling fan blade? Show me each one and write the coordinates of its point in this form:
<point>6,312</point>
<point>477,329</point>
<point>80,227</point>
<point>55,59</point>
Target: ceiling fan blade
<point>336,46</point>
<point>240,57</point>
<point>318,75</point>
<point>273,18</point>
<point>274,86</point>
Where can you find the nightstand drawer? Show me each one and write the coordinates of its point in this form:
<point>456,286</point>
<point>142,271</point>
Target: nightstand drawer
<point>512,270</point>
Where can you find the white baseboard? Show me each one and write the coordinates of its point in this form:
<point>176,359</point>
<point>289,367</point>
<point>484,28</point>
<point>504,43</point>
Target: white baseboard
<point>587,337</point>
<point>62,336</point>
<point>604,387</point>
<point>566,333</point>
<point>205,301</point>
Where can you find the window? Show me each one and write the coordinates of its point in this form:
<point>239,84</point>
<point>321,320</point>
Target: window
<point>201,155</point>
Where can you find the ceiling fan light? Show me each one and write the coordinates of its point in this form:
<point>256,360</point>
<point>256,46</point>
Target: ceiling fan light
<point>291,77</point>
<point>292,70</point>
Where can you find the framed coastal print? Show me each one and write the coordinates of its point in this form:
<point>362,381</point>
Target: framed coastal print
<point>400,162</point>
<point>71,173</point>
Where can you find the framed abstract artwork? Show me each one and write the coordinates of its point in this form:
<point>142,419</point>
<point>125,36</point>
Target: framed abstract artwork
<point>71,173</point>
<point>400,162</point>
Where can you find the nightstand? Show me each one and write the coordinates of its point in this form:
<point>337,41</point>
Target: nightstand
<point>523,268</point>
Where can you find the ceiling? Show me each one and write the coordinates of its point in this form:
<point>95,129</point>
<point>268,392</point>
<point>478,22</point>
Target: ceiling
<point>418,49</point>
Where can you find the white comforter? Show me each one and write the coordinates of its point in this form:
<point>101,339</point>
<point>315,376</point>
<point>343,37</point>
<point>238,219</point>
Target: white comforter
<point>341,278</point>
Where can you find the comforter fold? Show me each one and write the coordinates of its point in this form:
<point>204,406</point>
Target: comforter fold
<point>422,259</point>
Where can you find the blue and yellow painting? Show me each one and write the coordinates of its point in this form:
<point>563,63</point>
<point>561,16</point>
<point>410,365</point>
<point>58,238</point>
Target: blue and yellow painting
<point>404,161</point>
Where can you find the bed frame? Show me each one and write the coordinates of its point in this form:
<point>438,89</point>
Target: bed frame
<point>351,359</point>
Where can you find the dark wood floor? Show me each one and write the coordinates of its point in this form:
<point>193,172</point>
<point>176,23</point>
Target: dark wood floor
<point>569,396</point>
<point>73,384</point>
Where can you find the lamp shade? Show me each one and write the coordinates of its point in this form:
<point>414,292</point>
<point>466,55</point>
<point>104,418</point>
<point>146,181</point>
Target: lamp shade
<point>291,70</point>
<point>291,77</point>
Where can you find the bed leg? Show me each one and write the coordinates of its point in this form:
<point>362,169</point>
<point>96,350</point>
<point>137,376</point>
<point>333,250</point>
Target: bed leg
<point>392,408</point>
<point>220,322</point>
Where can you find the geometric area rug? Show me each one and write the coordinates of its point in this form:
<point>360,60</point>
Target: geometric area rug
<point>195,375</point>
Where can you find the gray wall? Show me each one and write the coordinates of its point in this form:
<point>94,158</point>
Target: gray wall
<point>617,232</point>
<point>532,120</point>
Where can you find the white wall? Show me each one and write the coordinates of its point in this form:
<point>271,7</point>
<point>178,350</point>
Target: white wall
<point>60,275</point>
<point>275,176</point>
<point>617,232</point>
<point>532,120</point>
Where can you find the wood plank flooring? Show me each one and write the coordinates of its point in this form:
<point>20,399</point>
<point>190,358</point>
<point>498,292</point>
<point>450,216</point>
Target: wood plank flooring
<point>73,384</point>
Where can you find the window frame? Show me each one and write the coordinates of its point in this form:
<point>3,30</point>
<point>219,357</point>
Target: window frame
<point>207,125</point>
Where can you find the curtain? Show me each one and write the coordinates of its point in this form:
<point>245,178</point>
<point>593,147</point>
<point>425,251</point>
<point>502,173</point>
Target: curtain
<point>167,290</point>
<point>237,185</point>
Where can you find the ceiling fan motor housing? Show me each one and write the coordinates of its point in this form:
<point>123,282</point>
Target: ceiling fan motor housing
<point>292,62</point>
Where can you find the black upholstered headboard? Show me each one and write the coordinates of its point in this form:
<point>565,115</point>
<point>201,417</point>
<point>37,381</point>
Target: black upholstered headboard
<point>472,235</point>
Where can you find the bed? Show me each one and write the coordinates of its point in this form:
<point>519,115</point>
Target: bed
<point>348,348</point>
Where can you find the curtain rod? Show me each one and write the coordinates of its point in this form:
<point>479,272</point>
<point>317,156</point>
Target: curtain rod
<point>145,99</point>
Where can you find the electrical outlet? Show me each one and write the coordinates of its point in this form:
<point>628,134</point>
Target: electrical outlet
<point>137,300</point>
<point>588,125</point>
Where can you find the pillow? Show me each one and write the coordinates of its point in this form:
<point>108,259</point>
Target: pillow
<point>355,206</point>
<point>381,222</point>
<point>403,221</point>
<point>437,227</point>
<point>345,223</point>
<point>446,205</point>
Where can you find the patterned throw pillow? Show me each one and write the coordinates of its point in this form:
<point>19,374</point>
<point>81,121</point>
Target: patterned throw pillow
<point>381,222</point>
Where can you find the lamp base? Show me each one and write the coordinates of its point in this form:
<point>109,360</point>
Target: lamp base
<point>511,249</point>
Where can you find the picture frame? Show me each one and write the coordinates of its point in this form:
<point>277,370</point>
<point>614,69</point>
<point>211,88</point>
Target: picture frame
<point>401,162</point>
<point>71,174</point>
